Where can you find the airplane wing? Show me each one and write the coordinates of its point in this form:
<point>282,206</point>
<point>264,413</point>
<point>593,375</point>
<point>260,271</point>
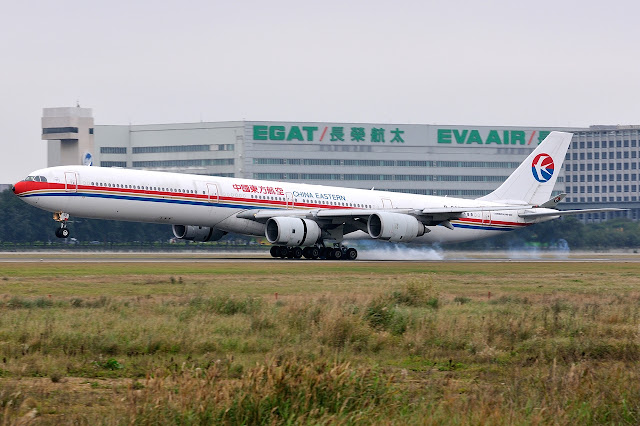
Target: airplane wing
<point>264,215</point>
<point>355,219</point>
<point>449,212</point>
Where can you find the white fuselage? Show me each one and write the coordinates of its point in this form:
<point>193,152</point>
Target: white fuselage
<point>172,198</point>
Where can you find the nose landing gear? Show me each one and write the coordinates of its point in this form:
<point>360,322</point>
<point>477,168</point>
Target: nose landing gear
<point>62,218</point>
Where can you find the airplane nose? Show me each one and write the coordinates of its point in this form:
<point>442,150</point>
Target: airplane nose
<point>18,188</point>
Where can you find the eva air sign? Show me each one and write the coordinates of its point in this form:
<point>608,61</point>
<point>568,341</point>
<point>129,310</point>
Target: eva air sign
<point>489,137</point>
<point>312,133</point>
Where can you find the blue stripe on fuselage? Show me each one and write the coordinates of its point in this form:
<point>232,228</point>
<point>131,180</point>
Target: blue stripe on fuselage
<point>481,227</point>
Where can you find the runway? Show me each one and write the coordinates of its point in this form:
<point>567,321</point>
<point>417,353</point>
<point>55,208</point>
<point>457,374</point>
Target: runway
<point>413,255</point>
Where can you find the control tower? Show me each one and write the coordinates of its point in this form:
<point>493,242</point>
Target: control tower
<point>69,132</point>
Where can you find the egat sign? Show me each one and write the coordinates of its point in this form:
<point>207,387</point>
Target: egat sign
<point>484,137</point>
<point>378,134</point>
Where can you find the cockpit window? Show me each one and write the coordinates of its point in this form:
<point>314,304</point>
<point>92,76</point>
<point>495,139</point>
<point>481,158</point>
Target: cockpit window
<point>35,179</point>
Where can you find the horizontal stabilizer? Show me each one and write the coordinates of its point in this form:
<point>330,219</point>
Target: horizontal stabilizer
<point>547,213</point>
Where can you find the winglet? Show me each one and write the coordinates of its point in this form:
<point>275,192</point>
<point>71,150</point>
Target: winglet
<point>553,202</point>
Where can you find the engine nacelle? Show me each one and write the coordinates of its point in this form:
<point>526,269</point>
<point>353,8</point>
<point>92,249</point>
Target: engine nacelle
<point>197,233</point>
<point>292,231</point>
<point>396,227</point>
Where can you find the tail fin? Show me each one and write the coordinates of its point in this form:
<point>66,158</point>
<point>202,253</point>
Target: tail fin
<point>533,181</point>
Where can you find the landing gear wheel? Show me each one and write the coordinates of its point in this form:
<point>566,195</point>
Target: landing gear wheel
<point>62,232</point>
<point>311,252</point>
<point>314,252</point>
<point>336,253</point>
<point>328,253</point>
<point>278,251</point>
<point>351,254</point>
<point>297,252</point>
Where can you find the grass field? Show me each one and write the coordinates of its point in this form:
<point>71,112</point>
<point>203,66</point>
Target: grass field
<point>320,342</point>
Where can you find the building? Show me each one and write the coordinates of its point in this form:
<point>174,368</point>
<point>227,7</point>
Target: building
<point>457,161</point>
<point>601,168</point>
<point>69,133</point>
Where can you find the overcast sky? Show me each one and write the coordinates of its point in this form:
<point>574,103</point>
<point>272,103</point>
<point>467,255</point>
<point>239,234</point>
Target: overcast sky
<point>542,63</point>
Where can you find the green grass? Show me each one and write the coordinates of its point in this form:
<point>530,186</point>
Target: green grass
<point>364,342</point>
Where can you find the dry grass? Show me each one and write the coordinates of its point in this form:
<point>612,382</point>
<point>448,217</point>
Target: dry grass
<point>497,343</point>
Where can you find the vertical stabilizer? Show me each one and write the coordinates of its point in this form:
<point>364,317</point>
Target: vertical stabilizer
<point>533,181</point>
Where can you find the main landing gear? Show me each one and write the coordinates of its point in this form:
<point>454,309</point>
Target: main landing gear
<point>337,252</point>
<point>62,218</point>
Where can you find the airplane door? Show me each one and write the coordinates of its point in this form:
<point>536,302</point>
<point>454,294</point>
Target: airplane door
<point>213,194</point>
<point>386,203</point>
<point>289,198</point>
<point>486,218</point>
<point>71,181</point>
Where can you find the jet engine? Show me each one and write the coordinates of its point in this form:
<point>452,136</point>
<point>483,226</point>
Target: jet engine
<point>197,233</point>
<point>395,227</point>
<point>292,231</point>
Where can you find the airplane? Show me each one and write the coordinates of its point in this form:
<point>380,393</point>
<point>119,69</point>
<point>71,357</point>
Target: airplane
<point>299,219</point>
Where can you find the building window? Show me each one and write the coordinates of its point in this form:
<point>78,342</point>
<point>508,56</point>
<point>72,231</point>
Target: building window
<point>171,148</point>
<point>53,130</point>
<point>113,150</point>
<point>113,164</point>
<point>185,163</point>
